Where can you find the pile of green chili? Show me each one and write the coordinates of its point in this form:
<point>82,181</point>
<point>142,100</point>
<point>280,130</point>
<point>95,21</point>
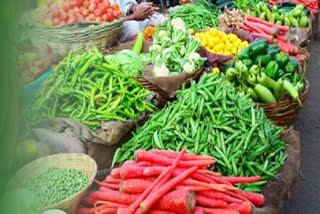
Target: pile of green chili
<point>197,16</point>
<point>90,88</point>
<point>212,118</point>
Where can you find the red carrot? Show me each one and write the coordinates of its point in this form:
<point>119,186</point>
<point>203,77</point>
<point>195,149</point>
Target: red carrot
<point>217,187</point>
<point>205,171</point>
<point>160,212</point>
<point>282,38</point>
<point>179,201</point>
<point>185,157</point>
<point>144,163</point>
<point>109,204</point>
<point>114,196</point>
<point>157,159</point>
<point>269,38</point>
<point>220,195</point>
<point>164,177</point>
<point>136,172</point>
<point>243,208</point>
<point>133,207</point>
<point>192,188</point>
<point>257,20</point>
<point>267,29</point>
<point>254,28</point>
<point>156,195</point>
<point>220,211</point>
<point>105,189</point>
<point>111,180</point>
<point>256,198</point>
<point>115,173</point>
<point>89,201</point>
<point>209,202</point>
<point>242,180</point>
<point>134,186</point>
<point>108,211</point>
<point>198,210</point>
<point>111,186</point>
<point>283,46</point>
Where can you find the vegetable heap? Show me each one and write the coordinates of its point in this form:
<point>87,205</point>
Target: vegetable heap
<point>197,16</point>
<point>175,50</point>
<point>55,185</point>
<point>231,18</point>
<point>89,87</point>
<point>218,42</point>
<point>266,73</point>
<point>272,33</point>
<point>312,5</point>
<point>212,118</point>
<point>168,182</point>
<point>297,17</point>
<point>56,13</point>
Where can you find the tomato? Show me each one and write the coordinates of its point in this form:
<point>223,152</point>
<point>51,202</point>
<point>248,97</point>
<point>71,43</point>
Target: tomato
<point>105,17</point>
<point>73,4</point>
<point>107,2</point>
<point>56,14</point>
<point>76,10</point>
<point>66,7</point>
<point>110,15</point>
<point>116,7</point>
<point>47,22</point>
<point>92,17</point>
<point>79,3</point>
<point>117,13</point>
<point>99,19</point>
<point>92,7</point>
<point>97,12</point>
<point>64,16</point>
<point>84,12</point>
<point>63,22</point>
<point>86,3</point>
<point>97,1</point>
<point>55,21</point>
<point>80,16</point>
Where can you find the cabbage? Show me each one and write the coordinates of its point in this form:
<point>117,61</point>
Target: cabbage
<point>128,61</point>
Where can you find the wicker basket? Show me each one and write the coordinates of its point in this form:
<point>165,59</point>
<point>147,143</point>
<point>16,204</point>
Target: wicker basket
<point>62,39</point>
<point>183,2</point>
<point>284,112</point>
<point>78,161</point>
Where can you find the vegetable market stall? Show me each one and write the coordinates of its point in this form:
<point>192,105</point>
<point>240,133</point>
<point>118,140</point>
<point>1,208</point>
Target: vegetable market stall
<point>213,118</point>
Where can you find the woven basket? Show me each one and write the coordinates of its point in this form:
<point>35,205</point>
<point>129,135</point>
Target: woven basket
<point>78,161</point>
<point>283,113</point>
<point>62,39</point>
<point>183,2</point>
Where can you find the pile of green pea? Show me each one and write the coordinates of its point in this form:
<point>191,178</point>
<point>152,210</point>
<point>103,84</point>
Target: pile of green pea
<point>55,185</point>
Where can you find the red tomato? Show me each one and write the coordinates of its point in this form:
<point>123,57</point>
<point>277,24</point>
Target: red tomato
<point>97,1</point>
<point>87,19</point>
<point>110,15</point>
<point>92,7</point>
<point>55,21</point>
<point>92,17</point>
<point>63,22</point>
<point>56,14</point>
<point>76,10</point>
<point>85,12</point>
<point>99,19</point>
<point>97,12</point>
<point>79,2</point>
<point>107,2</point>
<point>116,7</point>
<point>105,17</point>
<point>101,6</point>
<point>73,4</point>
<point>64,16</point>
<point>66,6</point>
<point>117,14</point>
<point>86,3</point>
<point>80,16</point>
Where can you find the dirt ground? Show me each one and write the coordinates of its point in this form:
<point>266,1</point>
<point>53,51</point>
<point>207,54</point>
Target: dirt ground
<point>306,199</point>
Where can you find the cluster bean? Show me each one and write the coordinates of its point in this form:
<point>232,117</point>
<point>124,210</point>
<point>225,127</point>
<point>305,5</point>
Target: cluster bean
<point>212,118</point>
<point>55,185</point>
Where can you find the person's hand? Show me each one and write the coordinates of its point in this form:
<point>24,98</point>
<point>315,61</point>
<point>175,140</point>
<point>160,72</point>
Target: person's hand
<point>142,11</point>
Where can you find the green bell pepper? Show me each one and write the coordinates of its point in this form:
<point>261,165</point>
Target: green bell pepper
<point>244,53</point>
<point>290,67</point>
<point>272,70</point>
<point>262,60</point>
<point>282,59</point>
<point>258,47</point>
<point>281,73</point>
<point>247,62</point>
<point>273,50</point>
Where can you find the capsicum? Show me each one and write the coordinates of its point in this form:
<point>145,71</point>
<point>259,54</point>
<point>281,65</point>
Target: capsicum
<point>258,47</point>
<point>254,70</point>
<point>282,59</point>
<point>244,53</point>
<point>252,79</point>
<point>292,65</point>
<point>247,62</point>
<point>231,74</point>
<point>273,50</point>
<point>272,70</point>
<point>262,60</point>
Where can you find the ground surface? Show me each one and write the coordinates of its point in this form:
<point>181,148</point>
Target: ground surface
<point>306,199</point>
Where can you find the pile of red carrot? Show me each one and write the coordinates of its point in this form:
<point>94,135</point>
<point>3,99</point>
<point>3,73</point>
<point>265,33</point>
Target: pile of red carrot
<point>312,5</point>
<point>167,182</point>
<point>275,34</point>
